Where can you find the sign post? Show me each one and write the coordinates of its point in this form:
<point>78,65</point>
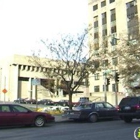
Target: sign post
<point>4,91</point>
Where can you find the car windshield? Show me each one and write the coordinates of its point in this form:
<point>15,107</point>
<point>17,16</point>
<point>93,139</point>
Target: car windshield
<point>129,101</point>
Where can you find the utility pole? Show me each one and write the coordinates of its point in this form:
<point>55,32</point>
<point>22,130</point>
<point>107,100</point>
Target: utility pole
<point>105,94</point>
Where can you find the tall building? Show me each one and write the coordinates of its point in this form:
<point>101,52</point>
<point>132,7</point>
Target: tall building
<point>111,19</point>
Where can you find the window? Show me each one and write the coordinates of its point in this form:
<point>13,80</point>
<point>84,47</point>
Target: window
<point>113,88</point>
<point>95,7</point>
<point>104,87</point>
<point>104,32</point>
<point>5,108</point>
<point>113,15</point>
<point>96,46</point>
<point>115,61</point>
<point>104,18</point>
<point>96,89</point>
<point>103,3</point>
<point>113,29</point>
<point>96,35</point>
<point>112,1</point>
<point>96,22</point>
<point>97,76</point>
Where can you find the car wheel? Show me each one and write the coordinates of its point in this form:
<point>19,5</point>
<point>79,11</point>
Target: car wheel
<point>127,119</point>
<point>93,118</point>
<point>39,121</point>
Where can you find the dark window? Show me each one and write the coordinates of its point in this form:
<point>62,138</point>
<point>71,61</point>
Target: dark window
<point>113,29</point>
<point>96,35</point>
<point>115,61</point>
<point>95,7</point>
<point>96,46</point>
<point>113,88</point>
<point>97,76</point>
<point>96,22</point>
<point>96,89</point>
<point>112,1</point>
<point>113,15</point>
<point>104,32</point>
<point>104,87</point>
<point>104,21</point>
<point>103,3</point>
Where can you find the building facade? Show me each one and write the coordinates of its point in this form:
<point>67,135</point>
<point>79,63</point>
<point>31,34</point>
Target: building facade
<point>111,19</point>
<point>19,78</point>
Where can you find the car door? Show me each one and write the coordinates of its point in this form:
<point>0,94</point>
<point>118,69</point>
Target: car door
<point>111,111</point>
<point>100,109</point>
<point>6,115</point>
<point>22,115</point>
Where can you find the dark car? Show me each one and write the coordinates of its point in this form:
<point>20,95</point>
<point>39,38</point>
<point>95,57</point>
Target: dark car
<point>30,101</point>
<point>129,109</point>
<point>20,100</point>
<point>15,114</point>
<point>92,111</point>
<point>62,103</point>
<point>45,102</point>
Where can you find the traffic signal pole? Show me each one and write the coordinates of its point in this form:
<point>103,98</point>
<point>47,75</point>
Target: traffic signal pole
<point>116,88</point>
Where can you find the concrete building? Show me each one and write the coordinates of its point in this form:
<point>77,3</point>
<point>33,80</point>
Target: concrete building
<point>19,78</point>
<point>111,19</point>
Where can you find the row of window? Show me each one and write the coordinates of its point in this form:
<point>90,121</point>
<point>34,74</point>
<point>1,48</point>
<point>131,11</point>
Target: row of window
<point>97,88</point>
<point>103,3</point>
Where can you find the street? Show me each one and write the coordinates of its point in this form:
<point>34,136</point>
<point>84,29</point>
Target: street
<point>103,130</point>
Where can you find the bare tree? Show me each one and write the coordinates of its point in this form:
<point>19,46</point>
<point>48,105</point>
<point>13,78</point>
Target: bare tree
<point>70,61</point>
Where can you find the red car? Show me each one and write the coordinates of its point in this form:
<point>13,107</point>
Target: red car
<point>15,114</point>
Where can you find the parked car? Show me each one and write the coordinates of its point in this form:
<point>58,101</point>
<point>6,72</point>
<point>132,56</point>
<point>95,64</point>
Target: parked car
<point>30,101</point>
<point>15,114</point>
<point>20,100</point>
<point>46,102</point>
<point>62,103</point>
<point>92,111</point>
<point>129,109</point>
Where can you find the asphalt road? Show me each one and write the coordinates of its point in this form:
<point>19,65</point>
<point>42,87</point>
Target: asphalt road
<point>103,130</point>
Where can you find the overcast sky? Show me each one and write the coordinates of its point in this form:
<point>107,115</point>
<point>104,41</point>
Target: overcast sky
<point>24,22</point>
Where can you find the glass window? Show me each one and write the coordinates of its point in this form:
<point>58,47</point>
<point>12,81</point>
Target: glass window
<point>19,109</point>
<point>5,108</point>
<point>97,76</point>
<point>99,105</point>
<point>113,87</point>
<point>103,3</point>
<point>96,89</point>
<point>113,14</point>
<point>95,21</point>
<point>112,1</point>
<point>95,7</point>
<point>113,29</point>
<point>104,21</point>
<point>107,105</point>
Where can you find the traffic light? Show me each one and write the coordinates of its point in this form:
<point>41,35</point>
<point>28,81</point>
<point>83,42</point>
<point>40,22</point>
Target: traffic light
<point>107,81</point>
<point>116,77</point>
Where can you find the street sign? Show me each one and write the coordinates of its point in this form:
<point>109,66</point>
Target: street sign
<point>4,90</point>
<point>36,81</point>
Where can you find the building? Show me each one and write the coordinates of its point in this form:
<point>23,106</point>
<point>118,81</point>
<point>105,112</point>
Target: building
<point>111,19</point>
<point>19,78</point>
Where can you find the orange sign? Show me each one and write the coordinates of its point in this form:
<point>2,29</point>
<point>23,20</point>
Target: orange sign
<point>4,90</point>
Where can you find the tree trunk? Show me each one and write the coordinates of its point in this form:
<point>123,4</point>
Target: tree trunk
<point>70,101</point>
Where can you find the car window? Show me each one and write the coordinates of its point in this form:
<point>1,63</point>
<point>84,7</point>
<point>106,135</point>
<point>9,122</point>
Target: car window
<point>107,105</point>
<point>129,101</point>
<point>99,105</point>
<point>19,109</point>
<point>5,108</point>
<point>86,106</point>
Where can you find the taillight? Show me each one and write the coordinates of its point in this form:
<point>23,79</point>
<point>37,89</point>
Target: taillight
<point>118,108</point>
<point>137,106</point>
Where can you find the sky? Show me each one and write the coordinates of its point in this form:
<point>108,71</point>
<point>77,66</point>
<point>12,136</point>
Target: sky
<point>23,23</point>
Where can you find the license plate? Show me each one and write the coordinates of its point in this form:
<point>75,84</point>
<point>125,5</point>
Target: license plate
<point>127,108</point>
